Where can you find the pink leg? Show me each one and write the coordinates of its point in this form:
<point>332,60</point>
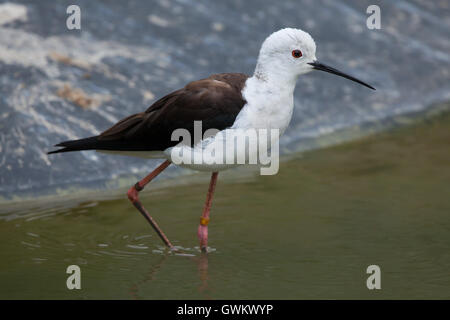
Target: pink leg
<point>202,231</point>
<point>133,195</point>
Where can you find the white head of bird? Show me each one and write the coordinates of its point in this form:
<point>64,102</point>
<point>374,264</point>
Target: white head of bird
<point>288,53</point>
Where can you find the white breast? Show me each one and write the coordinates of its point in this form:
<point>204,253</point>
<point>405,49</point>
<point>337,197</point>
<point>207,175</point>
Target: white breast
<point>268,106</point>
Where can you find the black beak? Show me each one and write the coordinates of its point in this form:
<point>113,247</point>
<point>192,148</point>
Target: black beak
<point>323,67</point>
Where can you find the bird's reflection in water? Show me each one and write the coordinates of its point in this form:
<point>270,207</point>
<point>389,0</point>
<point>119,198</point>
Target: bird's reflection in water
<point>202,266</point>
<point>134,289</point>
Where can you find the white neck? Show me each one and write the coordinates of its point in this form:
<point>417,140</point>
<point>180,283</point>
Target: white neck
<point>269,95</point>
<point>275,74</point>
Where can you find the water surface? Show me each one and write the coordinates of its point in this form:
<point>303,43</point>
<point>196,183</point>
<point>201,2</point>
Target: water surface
<point>308,232</point>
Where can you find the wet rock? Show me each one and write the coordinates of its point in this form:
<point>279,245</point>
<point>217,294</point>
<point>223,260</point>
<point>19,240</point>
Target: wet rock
<point>58,84</point>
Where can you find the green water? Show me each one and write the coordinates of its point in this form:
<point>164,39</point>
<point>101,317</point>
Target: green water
<point>308,232</point>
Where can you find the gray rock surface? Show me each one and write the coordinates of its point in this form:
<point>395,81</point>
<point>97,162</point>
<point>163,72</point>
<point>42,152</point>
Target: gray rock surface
<point>58,84</point>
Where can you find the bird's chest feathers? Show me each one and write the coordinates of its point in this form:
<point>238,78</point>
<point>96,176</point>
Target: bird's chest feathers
<point>266,108</point>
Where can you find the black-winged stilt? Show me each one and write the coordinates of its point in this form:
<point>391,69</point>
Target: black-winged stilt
<point>222,101</point>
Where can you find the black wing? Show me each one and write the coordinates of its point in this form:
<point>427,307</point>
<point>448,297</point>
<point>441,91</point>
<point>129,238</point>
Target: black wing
<point>216,101</point>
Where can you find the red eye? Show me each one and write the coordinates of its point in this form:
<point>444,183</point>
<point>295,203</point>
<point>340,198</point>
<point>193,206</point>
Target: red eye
<point>296,53</point>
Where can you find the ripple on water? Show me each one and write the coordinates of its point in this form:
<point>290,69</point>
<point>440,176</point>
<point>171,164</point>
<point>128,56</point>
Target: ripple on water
<point>139,247</point>
<point>180,251</point>
<point>85,244</point>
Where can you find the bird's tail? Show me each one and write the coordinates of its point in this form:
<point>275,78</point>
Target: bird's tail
<point>90,143</point>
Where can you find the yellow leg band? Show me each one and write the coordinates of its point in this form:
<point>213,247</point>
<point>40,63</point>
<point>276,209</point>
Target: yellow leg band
<point>204,221</point>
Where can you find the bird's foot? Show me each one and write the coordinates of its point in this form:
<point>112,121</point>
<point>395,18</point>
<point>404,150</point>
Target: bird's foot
<point>202,233</point>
